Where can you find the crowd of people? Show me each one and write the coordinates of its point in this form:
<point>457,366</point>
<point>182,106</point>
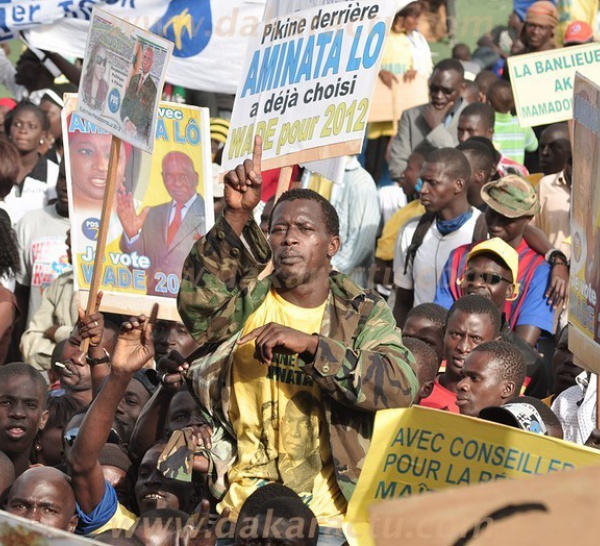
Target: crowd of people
<point>434,273</point>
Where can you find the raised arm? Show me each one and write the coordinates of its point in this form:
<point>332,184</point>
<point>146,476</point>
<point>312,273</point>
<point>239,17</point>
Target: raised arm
<point>134,348</point>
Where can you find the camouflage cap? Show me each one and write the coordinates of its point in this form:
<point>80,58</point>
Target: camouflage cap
<point>511,196</point>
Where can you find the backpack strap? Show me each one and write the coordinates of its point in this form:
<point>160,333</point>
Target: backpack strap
<point>425,222</point>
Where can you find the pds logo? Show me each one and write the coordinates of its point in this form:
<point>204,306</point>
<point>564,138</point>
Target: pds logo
<point>90,228</point>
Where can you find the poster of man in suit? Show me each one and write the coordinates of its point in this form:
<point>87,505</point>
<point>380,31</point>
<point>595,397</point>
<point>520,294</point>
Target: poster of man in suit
<point>163,204</point>
<point>131,82</point>
<point>165,233</point>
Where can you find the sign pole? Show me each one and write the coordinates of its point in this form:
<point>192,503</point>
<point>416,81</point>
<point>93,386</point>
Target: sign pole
<point>107,204</point>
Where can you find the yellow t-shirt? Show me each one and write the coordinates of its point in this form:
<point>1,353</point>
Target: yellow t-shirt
<point>277,415</point>
<point>387,241</point>
<point>397,59</point>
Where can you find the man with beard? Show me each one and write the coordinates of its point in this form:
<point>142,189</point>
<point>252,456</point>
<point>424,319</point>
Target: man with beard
<point>302,329</point>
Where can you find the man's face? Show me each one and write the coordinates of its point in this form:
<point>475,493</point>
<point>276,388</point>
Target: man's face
<point>89,155</point>
<point>410,175</point>
<point>481,385</point>
<point>463,333</point>
<point>172,336</point>
<point>428,332</point>
<point>510,230</point>
<point>130,407</point>
<point>538,35</point>
<point>179,177</point>
<point>75,376</point>
<point>554,150</point>
<point>302,248</point>
<point>183,412</point>
<point>470,126</point>
<point>299,432</point>
<point>153,490</point>
<point>147,60</point>
<point>486,277</point>
<point>45,501</point>
<point>22,414</point>
<point>445,86</point>
<point>438,189</point>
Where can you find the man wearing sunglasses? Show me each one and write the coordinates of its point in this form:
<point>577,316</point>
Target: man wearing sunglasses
<point>435,123</point>
<point>512,203</point>
<point>491,269</point>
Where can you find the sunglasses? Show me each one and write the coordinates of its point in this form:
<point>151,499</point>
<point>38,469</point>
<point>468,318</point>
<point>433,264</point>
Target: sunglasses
<point>101,60</point>
<point>71,434</point>
<point>487,278</point>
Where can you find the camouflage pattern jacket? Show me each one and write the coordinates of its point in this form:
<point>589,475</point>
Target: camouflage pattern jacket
<point>360,365</point>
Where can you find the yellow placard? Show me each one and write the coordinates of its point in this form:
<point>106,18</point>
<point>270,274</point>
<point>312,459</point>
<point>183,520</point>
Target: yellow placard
<point>584,282</point>
<point>417,450</point>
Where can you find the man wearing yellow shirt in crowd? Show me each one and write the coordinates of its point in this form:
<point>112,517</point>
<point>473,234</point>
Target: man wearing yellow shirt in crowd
<point>384,253</point>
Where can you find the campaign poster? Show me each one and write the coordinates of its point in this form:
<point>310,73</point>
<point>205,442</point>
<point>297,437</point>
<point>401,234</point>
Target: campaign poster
<point>584,289</point>
<point>307,83</point>
<point>122,78</point>
<point>542,82</point>
<point>418,450</point>
<point>162,205</point>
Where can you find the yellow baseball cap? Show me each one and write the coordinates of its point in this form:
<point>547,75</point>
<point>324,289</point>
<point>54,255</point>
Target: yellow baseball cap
<point>503,250</point>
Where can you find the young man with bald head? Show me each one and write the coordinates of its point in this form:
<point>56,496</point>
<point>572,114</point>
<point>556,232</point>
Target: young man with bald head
<point>44,495</point>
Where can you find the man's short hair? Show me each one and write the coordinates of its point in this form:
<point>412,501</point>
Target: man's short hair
<point>456,165</point>
<point>477,305</point>
<point>330,215</point>
<point>20,369</point>
<point>482,156</point>
<point>10,161</point>
<point>424,149</point>
<point>507,359</point>
<point>485,79</point>
<point>430,311</point>
<point>427,360</point>
<point>450,65</point>
<point>481,110</point>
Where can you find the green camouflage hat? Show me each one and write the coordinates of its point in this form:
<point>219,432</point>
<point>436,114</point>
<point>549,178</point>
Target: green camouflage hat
<point>511,196</point>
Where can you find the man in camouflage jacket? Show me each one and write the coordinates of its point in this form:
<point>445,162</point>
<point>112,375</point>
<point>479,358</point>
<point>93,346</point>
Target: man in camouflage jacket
<point>358,360</point>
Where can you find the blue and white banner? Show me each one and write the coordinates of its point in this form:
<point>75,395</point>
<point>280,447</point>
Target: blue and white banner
<point>210,36</point>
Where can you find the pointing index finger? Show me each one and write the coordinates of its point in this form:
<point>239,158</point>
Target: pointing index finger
<point>257,154</point>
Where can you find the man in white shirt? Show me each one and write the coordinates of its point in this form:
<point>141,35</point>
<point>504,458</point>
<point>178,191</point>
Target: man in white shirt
<point>165,233</point>
<point>450,222</point>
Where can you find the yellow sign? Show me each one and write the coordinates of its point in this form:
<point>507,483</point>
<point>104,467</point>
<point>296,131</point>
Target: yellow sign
<point>162,205</point>
<point>542,82</point>
<point>584,336</point>
<point>418,450</point>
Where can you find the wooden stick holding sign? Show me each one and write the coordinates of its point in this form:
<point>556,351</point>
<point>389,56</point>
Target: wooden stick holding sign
<point>107,204</point>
